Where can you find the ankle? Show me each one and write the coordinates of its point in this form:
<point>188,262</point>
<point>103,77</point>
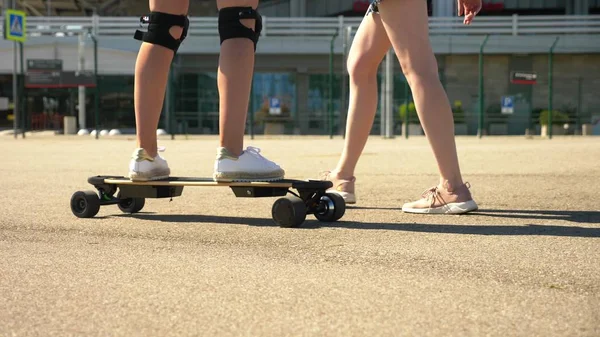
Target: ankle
<point>451,185</point>
<point>235,151</point>
<point>342,175</point>
<point>459,190</point>
<point>151,150</point>
<point>151,153</point>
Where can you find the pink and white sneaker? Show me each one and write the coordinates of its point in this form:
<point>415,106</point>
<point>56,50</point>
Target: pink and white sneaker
<point>443,199</point>
<point>342,187</point>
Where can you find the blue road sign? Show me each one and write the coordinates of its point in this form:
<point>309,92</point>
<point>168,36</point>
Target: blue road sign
<point>15,26</point>
<point>508,104</point>
<point>275,106</point>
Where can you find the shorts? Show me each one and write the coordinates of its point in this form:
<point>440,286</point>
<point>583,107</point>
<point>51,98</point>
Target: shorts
<point>373,7</point>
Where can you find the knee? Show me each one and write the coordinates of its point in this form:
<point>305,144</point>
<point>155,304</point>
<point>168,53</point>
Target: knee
<point>176,32</point>
<point>420,73</point>
<point>249,23</point>
<point>164,29</point>
<point>172,10</point>
<point>239,19</point>
<point>361,67</point>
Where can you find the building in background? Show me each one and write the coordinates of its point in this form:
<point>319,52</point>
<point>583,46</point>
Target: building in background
<point>293,63</point>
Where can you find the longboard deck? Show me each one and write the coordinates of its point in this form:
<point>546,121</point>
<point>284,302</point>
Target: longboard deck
<point>287,211</point>
<point>209,182</point>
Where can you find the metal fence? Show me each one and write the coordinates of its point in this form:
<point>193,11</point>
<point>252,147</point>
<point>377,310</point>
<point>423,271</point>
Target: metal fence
<point>514,25</point>
<point>192,100</point>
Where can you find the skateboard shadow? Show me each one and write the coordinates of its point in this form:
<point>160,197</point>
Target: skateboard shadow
<point>199,218</point>
<point>499,230</point>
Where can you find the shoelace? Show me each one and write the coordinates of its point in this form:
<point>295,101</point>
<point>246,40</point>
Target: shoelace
<point>324,175</point>
<point>254,151</point>
<point>432,194</point>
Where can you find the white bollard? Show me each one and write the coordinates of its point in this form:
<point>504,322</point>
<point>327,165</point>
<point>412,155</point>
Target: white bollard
<point>70,125</point>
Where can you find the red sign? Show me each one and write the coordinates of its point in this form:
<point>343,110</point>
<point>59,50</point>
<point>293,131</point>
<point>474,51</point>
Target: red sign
<point>493,7</point>
<point>523,77</point>
<point>361,5</point>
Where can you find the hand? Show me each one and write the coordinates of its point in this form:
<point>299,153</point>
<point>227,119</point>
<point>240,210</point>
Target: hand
<point>468,8</point>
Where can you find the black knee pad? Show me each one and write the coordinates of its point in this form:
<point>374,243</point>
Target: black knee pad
<point>230,26</point>
<point>159,25</point>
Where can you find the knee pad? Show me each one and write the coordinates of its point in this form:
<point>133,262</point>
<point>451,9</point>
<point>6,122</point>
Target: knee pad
<point>230,26</point>
<point>159,25</point>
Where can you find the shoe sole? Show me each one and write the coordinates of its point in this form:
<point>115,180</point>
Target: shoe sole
<point>349,198</point>
<point>148,176</point>
<point>452,208</point>
<point>248,177</point>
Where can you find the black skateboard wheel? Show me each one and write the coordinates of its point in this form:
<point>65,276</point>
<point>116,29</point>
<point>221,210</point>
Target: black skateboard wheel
<point>289,212</point>
<point>331,208</point>
<point>131,205</point>
<point>85,204</point>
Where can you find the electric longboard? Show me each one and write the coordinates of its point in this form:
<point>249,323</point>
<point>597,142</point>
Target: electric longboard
<point>311,196</point>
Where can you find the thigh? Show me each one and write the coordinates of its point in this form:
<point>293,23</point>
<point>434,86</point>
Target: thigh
<point>170,6</point>
<point>407,25</point>
<point>371,42</point>
<point>237,3</point>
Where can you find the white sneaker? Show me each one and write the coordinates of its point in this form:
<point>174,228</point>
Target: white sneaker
<point>249,166</point>
<point>143,167</point>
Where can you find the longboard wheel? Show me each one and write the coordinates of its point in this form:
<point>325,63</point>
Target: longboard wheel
<point>289,212</point>
<point>85,204</point>
<point>331,208</point>
<point>131,205</point>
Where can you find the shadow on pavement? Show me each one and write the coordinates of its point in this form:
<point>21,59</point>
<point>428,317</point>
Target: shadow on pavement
<point>574,216</point>
<point>509,230</point>
<point>369,207</point>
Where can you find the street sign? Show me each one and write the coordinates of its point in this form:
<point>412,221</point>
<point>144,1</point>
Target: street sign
<point>60,79</point>
<point>15,25</point>
<point>508,105</point>
<point>44,64</point>
<point>523,77</point>
<point>48,73</point>
<point>275,106</point>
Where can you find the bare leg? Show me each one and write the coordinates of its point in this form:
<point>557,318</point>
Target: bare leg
<point>236,66</point>
<point>406,23</point>
<point>151,73</point>
<point>366,53</point>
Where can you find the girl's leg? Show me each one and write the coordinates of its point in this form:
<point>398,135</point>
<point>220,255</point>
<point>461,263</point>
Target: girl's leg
<point>366,53</point>
<point>406,23</point>
<point>151,73</point>
<point>234,79</point>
